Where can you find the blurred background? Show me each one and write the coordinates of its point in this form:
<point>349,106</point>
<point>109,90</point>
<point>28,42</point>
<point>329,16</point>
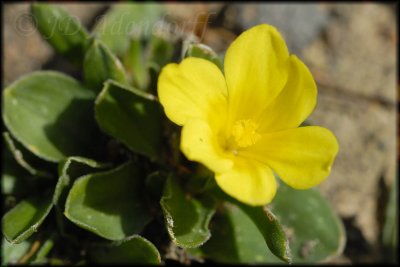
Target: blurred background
<point>351,51</point>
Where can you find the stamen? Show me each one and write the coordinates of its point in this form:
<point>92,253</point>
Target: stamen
<point>244,133</point>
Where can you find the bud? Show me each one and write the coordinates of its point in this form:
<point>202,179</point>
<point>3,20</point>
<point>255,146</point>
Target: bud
<point>101,64</point>
<point>203,51</point>
<point>61,30</point>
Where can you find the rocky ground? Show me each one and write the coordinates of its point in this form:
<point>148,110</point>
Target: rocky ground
<point>350,49</point>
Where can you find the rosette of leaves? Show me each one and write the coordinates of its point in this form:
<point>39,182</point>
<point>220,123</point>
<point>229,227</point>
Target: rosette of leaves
<point>92,171</point>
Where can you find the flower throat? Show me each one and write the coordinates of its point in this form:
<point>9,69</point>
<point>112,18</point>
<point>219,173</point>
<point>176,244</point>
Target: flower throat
<point>243,134</point>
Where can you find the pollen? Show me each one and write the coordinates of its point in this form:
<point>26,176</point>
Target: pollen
<point>244,132</point>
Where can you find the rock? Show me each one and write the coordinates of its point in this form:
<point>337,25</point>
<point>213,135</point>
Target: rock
<point>219,39</point>
<point>190,13</point>
<point>192,18</point>
<point>85,12</point>
<point>298,23</point>
<point>358,51</point>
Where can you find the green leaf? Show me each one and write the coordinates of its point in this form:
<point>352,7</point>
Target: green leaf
<point>153,71</point>
<point>124,20</point>
<point>101,64</point>
<point>268,225</point>
<point>160,50</point>
<point>61,30</point>
<point>13,176</point>
<point>315,232</point>
<point>203,51</point>
<point>11,253</point>
<point>19,157</point>
<point>186,218</point>
<point>25,218</point>
<point>135,64</point>
<point>110,204</point>
<point>271,230</point>
<point>132,117</point>
<point>51,114</point>
<point>235,239</point>
<point>154,184</point>
<point>132,250</point>
<point>69,170</point>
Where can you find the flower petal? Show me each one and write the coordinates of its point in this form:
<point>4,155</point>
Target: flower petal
<point>255,70</point>
<point>200,143</point>
<point>295,102</point>
<point>302,157</point>
<point>195,88</point>
<point>248,181</point>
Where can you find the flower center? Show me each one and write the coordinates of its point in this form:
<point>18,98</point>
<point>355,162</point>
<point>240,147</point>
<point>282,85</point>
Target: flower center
<point>243,134</point>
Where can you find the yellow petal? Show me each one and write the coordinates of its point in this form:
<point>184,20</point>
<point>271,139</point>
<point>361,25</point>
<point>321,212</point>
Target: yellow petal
<point>195,88</point>
<point>248,181</point>
<point>302,157</point>
<point>295,102</point>
<point>200,143</point>
<point>255,70</point>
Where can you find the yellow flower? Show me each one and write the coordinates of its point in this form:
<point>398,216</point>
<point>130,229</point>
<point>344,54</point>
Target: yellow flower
<point>244,124</point>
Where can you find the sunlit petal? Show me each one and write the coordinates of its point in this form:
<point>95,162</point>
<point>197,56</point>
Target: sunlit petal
<point>295,102</point>
<point>302,157</point>
<point>255,70</point>
<point>199,143</point>
<point>195,88</point>
<point>248,181</point>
